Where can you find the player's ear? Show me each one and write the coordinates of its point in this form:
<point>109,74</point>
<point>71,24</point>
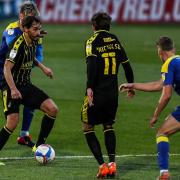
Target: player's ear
<point>21,16</point>
<point>25,29</point>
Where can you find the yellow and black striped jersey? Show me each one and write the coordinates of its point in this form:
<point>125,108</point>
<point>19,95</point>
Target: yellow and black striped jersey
<point>104,53</point>
<point>22,55</point>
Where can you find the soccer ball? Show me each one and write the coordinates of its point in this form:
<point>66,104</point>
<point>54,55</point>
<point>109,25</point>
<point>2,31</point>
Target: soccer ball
<point>44,154</point>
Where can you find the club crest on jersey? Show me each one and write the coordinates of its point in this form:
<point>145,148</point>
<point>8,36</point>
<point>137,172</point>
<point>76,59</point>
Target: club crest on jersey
<point>13,53</point>
<point>10,31</point>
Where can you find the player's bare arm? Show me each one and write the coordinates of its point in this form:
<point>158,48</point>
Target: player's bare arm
<point>91,77</point>
<point>129,77</point>
<point>15,94</point>
<point>147,87</point>
<point>163,101</point>
<point>90,96</point>
<point>44,69</point>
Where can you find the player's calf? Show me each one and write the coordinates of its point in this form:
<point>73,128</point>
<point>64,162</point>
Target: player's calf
<point>4,136</point>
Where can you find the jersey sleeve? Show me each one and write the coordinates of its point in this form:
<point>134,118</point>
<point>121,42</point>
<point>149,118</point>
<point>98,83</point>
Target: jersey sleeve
<point>168,74</point>
<point>90,49</point>
<point>9,36</point>
<point>14,49</point>
<point>39,51</point>
<point>11,55</point>
<point>123,55</point>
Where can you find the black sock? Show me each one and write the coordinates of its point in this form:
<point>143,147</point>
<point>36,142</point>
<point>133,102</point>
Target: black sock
<point>110,142</point>
<point>4,136</point>
<point>46,126</point>
<point>94,146</point>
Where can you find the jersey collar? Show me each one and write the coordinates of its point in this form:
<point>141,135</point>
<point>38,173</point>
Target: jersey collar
<point>164,68</point>
<point>100,31</point>
<point>26,40</point>
<point>172,57</point>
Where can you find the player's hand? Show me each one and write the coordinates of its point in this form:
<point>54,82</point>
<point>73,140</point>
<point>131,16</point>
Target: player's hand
<point>90,96</point>
<point>126,87</point>
<point>152,121</point>
<point>15,94</point>
<point>130,93</point>
<point>48,72</point>
<point>42,33</point>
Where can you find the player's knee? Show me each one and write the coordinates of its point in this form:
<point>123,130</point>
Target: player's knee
<point>87,127</point>
<point>12,121</point>
<point>53,110</point>
<point>163,132</point>
<point>49,107</point>
<point>108,127</point>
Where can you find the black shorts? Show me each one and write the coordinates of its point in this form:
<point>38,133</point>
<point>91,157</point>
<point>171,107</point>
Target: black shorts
<point>102,112</point>
<point>31,96</point>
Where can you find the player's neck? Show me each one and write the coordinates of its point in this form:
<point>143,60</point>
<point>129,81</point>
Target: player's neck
<point>27,39</point>
<point>170,54</point>
<point>20,26</point>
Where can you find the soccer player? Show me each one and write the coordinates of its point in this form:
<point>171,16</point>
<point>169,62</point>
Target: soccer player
<point>17,87</point>
<point>104,54</point>
<point>10,33</point>
<point>170,79</point>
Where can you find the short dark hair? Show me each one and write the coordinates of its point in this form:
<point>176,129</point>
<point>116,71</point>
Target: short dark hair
<point>28,21</point>
<point>101,21</point>
<point>165,43</point>
<point>29,7</point>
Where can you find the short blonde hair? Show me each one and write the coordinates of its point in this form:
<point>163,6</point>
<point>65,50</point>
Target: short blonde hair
<point>29,7</point>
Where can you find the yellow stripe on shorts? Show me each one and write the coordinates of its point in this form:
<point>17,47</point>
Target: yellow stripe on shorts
<point>5,100</point>
<point>84,110</point>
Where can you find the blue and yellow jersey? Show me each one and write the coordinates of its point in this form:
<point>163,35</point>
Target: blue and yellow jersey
<point>170,72</point>
<point>9,35</point>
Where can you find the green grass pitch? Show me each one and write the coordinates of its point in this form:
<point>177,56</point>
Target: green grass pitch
<point>64,53</point>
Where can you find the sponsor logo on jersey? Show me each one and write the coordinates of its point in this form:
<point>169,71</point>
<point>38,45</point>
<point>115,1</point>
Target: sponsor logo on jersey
<point>10,31</point>
<point>13,53</point>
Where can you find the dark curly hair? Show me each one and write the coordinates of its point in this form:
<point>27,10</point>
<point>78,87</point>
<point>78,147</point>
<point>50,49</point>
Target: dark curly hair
<point>101,21</point>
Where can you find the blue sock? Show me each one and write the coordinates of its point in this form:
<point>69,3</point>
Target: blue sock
<point>163,152</point>
<point>27,119</point>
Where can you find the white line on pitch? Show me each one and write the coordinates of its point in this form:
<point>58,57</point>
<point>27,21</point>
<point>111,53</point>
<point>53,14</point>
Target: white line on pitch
<point>86,157</point>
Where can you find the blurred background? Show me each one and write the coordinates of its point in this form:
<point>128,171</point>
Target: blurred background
<point>138,24</point>
<point>80,11</point>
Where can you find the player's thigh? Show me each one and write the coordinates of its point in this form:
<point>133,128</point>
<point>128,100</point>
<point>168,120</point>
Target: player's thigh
<point>10,105</point>
<point>33,96</point>
<point>170,126</point>
<point>109,112</point>
<point>102,112</point>
<point>85,111</point>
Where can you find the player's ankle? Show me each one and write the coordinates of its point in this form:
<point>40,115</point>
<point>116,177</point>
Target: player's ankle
<point>24,133</point>
<point>163,171</point>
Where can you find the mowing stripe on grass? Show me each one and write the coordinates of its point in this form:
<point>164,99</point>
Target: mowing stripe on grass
<point>86,157</point>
